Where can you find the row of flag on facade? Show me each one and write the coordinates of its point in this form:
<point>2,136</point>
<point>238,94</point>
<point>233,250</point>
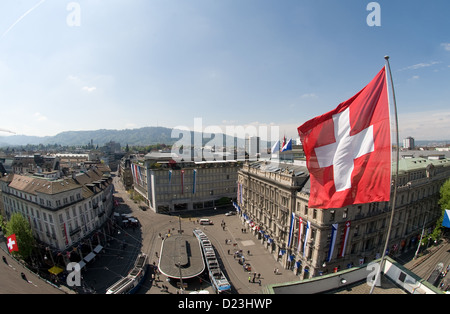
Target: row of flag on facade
<point>182,172</point>
<point>306,235</point>
<point>137,174</point>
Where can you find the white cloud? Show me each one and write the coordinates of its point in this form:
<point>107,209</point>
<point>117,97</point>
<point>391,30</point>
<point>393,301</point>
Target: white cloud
<point>89,89</point>
<point>22,17</point>
<point>40,117</point>
<point>427,125</point>
<point>72,78</point>
<point>420,65</point>
<point>130,125</point>
<point>446,46</point>
<point>310,95</point>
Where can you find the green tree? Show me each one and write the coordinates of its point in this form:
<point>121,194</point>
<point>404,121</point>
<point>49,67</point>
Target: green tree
<point>19,226</point>
<point>444,202</point>
<point>445,195</point>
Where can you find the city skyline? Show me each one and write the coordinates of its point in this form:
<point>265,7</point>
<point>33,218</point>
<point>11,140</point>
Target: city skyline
<point>88,65</point>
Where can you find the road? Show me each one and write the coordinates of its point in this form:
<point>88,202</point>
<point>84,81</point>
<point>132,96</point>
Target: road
<point>12,282</point>
<point>153,224</point>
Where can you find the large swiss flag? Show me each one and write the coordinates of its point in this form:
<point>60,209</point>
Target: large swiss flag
<point>348,150</point>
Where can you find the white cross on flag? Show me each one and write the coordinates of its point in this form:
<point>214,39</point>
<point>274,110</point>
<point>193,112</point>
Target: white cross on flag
<point>348,150</point>
<point>11,242</point>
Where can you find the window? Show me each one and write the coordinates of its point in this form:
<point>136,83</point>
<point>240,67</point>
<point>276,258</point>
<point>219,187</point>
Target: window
<point>332,215</point>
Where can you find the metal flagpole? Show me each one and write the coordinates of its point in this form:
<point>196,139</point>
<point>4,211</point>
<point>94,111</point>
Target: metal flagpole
<point>394,182</point>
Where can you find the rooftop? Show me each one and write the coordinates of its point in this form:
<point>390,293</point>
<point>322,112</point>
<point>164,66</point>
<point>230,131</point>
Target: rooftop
<point>181,255</point>
<point>395,279</point>
<point>33,184</point>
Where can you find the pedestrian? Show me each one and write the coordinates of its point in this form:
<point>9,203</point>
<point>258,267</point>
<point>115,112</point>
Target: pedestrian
<point>259,282</point>
<point>24,277</point>
<point>249,278</point>
<point>4,260</point>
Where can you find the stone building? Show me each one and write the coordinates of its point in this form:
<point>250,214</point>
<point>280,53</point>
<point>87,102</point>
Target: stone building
<point>171,187</point>
<point>61,212</point>
<point>273,199</point>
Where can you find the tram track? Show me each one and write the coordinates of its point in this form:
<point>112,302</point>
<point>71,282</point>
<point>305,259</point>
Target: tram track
<point>426,267</point>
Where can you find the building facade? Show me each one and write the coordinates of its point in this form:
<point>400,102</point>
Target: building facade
<point>171,187</point>
<point>124,172</point>
<point>312,242</point>
<point>408,143</point>
<point>61,212</point>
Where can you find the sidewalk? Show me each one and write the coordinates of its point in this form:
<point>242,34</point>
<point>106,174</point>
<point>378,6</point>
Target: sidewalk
<point>261,261</point>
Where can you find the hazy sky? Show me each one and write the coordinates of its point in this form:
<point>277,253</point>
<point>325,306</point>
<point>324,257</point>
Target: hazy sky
<point>92,64</point>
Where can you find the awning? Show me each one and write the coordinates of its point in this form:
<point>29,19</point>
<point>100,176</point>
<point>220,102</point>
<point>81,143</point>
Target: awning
<point>446,220</point>
<point>55,270</point>
<point>98,248</point>
<point>82,264</point>
<point>89,257</point>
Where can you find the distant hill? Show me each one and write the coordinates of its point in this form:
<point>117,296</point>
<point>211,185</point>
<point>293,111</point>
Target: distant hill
<point>141,136</point>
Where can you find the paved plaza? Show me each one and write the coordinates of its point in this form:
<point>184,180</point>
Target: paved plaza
<point>125,244</point>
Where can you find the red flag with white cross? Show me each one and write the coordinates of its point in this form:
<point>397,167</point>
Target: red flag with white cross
<point>348,150</point>
<point>11,242</point>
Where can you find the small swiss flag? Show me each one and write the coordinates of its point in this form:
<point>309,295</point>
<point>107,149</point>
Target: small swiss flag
<point>11,242</point>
